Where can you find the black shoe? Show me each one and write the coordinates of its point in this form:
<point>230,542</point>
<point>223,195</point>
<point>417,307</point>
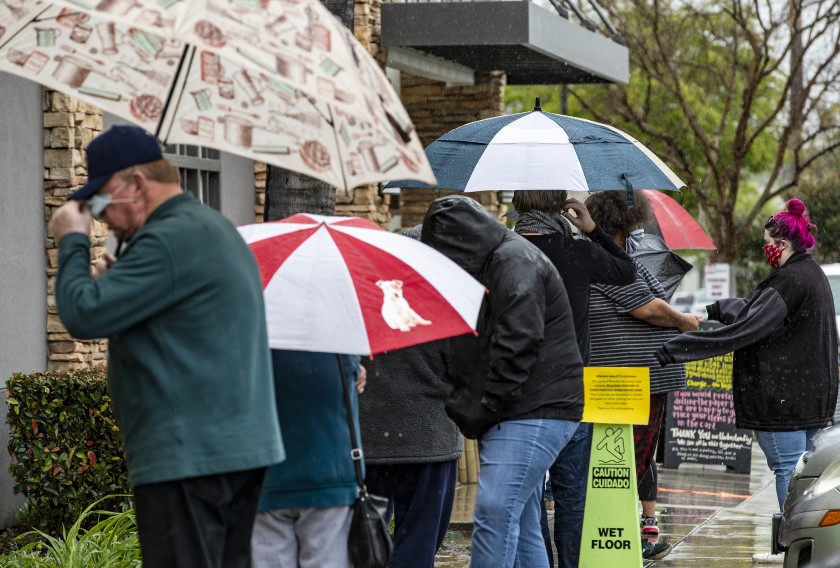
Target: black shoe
<point>651,551</point>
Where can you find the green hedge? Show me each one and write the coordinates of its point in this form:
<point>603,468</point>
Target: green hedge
<point>65,446</point>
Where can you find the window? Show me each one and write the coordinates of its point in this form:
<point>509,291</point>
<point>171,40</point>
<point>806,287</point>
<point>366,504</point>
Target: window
<point>200,171</point>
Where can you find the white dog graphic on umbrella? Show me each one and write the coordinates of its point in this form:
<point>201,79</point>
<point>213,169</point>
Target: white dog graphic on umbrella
<point>396,310</point>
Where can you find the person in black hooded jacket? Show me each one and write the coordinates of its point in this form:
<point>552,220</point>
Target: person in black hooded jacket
<point>518,385</point>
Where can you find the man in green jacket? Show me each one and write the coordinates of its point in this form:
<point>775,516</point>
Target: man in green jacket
<point>189,369</point>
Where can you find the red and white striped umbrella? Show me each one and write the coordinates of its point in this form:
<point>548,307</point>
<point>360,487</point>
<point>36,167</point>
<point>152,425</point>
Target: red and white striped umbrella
<point>345,285</point>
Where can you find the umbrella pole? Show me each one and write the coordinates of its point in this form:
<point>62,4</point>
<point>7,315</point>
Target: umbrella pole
<point>36,18</point>
<point>338,150</point>
<point>175,83</point>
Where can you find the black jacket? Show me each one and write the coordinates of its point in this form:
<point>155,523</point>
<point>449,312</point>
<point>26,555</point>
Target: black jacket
<point>581,263</point>
<point>525,362</point>
<point>785,342</point>
<point>402,410</point>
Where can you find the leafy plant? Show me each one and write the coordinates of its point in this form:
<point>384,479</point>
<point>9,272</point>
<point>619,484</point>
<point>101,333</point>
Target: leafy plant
<point>64,443</point>
<point>111,542</point>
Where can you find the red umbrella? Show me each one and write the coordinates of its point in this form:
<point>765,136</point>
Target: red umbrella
<point>679,229</point>
<point>345,285</point>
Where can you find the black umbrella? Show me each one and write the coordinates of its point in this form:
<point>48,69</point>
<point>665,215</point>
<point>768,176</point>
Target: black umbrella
<point>668,267</point>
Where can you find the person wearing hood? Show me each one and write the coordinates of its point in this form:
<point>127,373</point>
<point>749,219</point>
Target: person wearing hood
<point>411,446</point>
<point>517,386</point>
<point>784,338</point>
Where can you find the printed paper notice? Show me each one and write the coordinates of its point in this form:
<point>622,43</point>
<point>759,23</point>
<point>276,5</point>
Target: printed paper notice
<point>616,395</point>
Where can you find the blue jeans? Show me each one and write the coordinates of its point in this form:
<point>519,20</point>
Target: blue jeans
<point>568,475</point>
<point>783,450</point>
<point>514,458</point>
<point>420,497</point>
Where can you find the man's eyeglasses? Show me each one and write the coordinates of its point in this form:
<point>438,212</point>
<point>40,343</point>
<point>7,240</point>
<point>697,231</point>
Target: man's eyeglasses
<point>98,202</point>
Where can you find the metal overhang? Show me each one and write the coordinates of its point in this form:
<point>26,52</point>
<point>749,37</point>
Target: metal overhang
<point>531,44</point>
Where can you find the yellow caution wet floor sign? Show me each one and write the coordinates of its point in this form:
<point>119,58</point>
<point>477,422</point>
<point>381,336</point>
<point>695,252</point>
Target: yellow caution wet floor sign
<point>615,399</point>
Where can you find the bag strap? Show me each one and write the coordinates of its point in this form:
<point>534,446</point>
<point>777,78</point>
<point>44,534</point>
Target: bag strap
<point>355,446</point>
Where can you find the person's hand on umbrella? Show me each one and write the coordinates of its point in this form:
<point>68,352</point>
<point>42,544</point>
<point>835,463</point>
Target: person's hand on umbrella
<point>72,217</point>
<point>577,214</point>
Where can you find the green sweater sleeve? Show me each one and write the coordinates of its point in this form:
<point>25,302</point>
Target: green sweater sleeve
<point>139,285</point>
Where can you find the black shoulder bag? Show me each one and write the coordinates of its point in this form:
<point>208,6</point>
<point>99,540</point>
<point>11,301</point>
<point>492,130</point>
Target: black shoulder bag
<point>369,543</point>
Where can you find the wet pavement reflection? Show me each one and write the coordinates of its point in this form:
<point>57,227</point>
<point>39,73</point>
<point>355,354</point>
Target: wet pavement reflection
<point>712,516</point>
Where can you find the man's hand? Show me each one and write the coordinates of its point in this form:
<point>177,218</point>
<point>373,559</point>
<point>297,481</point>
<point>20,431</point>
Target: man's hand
<point>581,218</point>
<point>72,217</point>
<point>103,263</point>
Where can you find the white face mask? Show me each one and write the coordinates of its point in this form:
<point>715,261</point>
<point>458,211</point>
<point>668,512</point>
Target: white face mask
<point>98,202</point>
<point>634,239</point>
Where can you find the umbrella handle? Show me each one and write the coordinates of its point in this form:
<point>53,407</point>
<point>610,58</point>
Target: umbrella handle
<point>629,185</point>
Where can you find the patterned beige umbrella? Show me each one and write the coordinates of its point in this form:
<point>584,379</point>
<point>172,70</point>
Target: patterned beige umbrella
<point>278,81</point>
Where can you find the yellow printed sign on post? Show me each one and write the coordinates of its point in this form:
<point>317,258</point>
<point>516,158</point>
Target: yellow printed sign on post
<point>616,395</point>
<point>615,398</point>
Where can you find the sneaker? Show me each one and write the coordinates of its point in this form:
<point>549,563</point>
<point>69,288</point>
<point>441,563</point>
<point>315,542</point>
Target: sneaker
<point>769,558</point>
<point>651,551</point>
<point>649,526</point>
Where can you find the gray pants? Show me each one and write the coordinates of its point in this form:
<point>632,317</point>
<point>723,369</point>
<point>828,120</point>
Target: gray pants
<point>301,538</point>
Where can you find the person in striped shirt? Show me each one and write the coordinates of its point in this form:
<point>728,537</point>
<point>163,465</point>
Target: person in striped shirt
<point>627,325</point>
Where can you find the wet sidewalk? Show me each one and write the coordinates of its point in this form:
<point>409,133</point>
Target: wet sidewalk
<point>715,517</point>
<point>712,516</point>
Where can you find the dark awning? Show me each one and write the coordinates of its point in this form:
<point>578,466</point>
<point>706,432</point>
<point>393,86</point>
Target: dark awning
<point>531,44</point>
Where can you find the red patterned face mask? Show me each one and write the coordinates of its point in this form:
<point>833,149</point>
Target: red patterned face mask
<point>773,254</point>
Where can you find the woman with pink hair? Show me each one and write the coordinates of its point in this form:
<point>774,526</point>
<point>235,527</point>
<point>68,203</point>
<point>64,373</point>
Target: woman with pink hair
<point>785,343</point>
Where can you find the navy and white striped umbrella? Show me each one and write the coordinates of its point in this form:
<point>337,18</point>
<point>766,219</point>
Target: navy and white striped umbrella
<point>540,150</point>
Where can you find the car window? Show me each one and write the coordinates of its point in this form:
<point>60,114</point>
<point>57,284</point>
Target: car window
<point>834,281</point>
<point>684,301</point>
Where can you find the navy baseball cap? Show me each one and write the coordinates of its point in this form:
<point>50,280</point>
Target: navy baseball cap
<point>119,148</point>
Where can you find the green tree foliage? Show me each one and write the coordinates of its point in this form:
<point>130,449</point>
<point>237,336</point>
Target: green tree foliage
<point>821,195</point>
<point>739,97</point>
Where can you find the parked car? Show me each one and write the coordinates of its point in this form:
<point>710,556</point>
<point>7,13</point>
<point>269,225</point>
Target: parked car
<point>694,302</point>
<point>833,273</point>
<point>808,530</point>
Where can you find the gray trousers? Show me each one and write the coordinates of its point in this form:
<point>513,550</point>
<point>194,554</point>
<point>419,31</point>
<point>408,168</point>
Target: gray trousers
<point>301,538</point>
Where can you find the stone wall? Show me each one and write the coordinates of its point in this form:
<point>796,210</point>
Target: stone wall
<point>259,180</point>
<point>436,109</point>
<point>69,125</point>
